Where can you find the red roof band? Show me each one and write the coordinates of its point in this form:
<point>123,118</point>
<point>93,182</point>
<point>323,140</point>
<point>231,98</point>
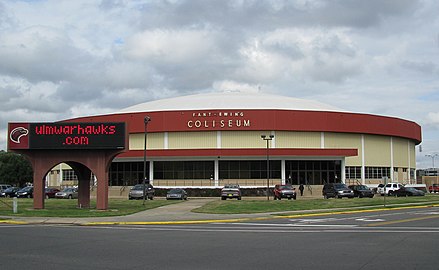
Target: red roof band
<point>260,120</point>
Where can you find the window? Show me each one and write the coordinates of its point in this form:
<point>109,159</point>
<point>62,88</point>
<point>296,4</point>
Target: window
<point>353,172</point>
<point>69,175</point>
<point>183,169</point>
<point>245,169</point>
<point>377,172</point>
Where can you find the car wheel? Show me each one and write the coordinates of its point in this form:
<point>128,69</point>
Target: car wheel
<point>70,197</point>
<point>239,198</point>
<point>47,196</point>
<point>223,198</point>
<point>28,196</point>
<point>294,198</point>
<point>391,193</point>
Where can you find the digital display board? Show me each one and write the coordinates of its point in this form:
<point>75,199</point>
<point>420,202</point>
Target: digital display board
<point>68,136</point>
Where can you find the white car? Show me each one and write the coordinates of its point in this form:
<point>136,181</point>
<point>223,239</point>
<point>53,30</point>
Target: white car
<point>380,189</point>
<point>390,188</point>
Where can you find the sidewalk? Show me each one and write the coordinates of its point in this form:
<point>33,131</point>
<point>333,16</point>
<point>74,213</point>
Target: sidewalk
<point>169,214</point>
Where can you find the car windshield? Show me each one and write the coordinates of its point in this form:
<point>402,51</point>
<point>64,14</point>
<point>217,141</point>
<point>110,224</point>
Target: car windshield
<point>340,185</point>
<point>175,191</point>
<point>231,186</point>
<point>286,187</point>
<point>26,189</point>
<point>410,189</point>
<point>362,187</point>
<point>68,190</point>
<point>138,187</point>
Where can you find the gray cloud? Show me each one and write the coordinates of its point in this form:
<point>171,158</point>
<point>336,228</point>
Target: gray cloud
<point>62,59</point>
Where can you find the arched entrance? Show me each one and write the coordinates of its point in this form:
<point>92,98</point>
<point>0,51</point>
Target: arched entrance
<point>85,147</point>
<point>83,163</point>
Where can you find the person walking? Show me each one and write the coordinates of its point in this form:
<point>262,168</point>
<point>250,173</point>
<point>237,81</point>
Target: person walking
<point>301,189</point>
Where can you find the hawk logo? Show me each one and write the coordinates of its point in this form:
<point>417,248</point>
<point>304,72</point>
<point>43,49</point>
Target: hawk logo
<point>17,133</point>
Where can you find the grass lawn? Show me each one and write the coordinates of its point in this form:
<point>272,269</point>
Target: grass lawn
<point>69,208</point>
<point>263,206</point>
<point>121,207</point>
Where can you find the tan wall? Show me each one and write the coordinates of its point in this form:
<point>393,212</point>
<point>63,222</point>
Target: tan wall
<point>285,139</point>
<point>154,141</point>
<point>192,140</point>
<point>243,139</point>
<point>400,153</point>
<point>342,140</point>
<point>412,155</point>
<point>377,151</point>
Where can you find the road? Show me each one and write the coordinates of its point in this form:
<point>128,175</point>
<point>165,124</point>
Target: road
<point>397,239</point>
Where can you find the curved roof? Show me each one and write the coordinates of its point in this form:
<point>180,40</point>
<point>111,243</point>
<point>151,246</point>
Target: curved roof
<point>230,100</point>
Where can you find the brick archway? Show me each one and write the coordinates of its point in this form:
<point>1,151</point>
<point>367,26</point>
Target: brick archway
<point>83,162</point>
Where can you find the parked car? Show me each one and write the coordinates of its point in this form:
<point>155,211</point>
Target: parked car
<point>10,192</point>
<point>284,191</point>
<point>67,193</point>
<point>50,192</point>
<point>433,188</point>
<point>176,194</point>
<point>408,191</point>
<point>136,192</point>
<point>26,192</point>
<point>380,189</point>
<point>390,188</point>
<point>361,191</point>
<point>4,187</point>
<point>231,191</point>
<point>337,190</point>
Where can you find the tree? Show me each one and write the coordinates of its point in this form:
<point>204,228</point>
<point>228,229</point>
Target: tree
<point>15,169</point>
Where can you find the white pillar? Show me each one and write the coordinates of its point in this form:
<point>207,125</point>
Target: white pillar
<point>282,170</point>
<point>151,172</point>
<point>363,166</point>
<point>216,172</point>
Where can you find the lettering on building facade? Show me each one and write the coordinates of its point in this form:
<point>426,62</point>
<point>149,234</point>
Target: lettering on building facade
<point>222,119</point>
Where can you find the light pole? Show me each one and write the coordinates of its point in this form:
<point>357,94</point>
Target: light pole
<point>432,157</point>
<point>267,139</point>
<point>146,121</point>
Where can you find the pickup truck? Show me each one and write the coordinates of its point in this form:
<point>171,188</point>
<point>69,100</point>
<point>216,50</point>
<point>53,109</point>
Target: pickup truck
<point>433,188</point>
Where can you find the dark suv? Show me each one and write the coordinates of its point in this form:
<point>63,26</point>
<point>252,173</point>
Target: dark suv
<point>284,191</point>
<point>337,190</point>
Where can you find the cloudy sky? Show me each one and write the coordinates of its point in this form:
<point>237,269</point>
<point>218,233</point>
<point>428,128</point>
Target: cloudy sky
<point>62,59</point>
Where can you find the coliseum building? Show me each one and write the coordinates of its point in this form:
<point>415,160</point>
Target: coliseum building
<point>209,140</point>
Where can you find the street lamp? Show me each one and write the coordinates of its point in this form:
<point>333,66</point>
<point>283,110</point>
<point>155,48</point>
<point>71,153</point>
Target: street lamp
<point>267,139</point>
<point>146,121</point>
<point>432,157</point>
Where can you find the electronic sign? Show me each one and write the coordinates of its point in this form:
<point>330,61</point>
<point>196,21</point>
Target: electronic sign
<point>67,136</point>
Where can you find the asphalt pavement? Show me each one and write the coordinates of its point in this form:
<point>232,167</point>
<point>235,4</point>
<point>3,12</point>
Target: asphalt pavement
<point>179,213</point>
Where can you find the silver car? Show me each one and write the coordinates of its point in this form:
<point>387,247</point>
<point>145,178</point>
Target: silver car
<point>67,193</point>
<point>136,192</point>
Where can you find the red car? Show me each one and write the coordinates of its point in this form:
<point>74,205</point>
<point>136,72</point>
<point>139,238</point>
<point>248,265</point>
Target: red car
<point>434,188</point>
<point>50,192</point>
<point>284,191</point>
